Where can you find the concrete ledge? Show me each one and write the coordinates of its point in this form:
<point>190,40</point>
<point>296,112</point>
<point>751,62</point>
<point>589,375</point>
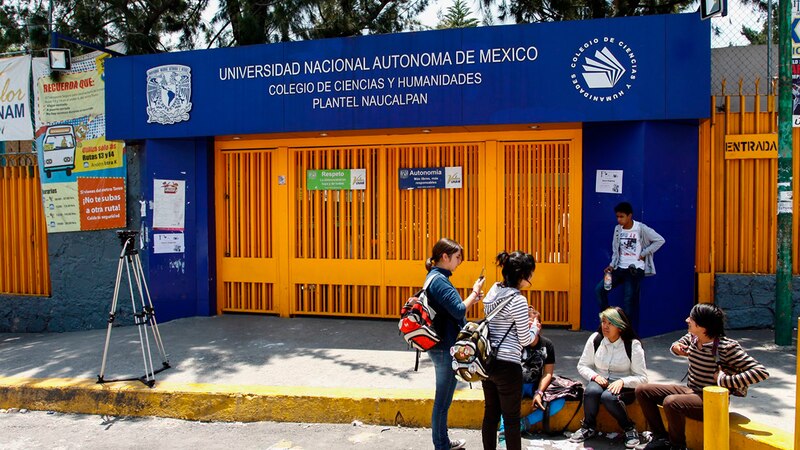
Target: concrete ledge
<point>407,407</point>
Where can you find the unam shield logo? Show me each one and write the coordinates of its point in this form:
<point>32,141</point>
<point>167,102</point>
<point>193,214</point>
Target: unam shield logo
<point>169,94</point>
<point>603,70</point>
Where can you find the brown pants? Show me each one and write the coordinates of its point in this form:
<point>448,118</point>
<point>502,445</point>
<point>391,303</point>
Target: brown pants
<point>679,402</point>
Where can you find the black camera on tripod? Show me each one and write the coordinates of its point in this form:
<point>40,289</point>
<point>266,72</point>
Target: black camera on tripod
<point>124,237</point>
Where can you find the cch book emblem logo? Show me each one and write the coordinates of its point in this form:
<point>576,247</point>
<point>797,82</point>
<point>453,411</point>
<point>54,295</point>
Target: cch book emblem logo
<point>603,69</point>
<point>169,94</point>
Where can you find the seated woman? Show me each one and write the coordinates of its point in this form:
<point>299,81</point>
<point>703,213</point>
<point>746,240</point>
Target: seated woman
<point>706,348</point>
<point>613,366</point>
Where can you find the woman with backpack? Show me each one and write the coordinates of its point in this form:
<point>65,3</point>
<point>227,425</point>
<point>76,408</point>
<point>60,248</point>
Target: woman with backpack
<point>613,364</point>
<point>451,313</point>
<point>708,351</point>
<point>509,331</point>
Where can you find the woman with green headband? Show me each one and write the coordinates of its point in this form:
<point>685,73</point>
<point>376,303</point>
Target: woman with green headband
<point>613,365</point>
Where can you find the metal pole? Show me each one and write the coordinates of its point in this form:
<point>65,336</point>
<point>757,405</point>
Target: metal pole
<point>783,276</point>
<point>769,47</point>
<point>797,397</point>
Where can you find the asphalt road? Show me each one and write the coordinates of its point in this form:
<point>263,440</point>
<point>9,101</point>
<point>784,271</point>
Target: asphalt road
<point>43,430</point>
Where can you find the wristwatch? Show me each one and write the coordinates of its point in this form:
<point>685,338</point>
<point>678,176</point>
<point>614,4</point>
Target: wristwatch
<point>539,392</point>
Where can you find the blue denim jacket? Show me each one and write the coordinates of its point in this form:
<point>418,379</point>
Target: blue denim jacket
<point>451,314</point>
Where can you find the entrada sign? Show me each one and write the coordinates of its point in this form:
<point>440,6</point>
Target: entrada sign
<point>751,146</point>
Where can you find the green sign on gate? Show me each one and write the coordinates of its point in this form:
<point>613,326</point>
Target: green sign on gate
<point>336,179</point>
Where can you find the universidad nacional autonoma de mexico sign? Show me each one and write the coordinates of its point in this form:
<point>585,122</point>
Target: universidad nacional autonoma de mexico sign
<point>595,70</point>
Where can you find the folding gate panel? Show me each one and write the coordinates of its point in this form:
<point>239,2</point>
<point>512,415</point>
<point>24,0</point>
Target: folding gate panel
<point>24,265</point>
<point>417,218</point>
<point>334,260</point>
<point>536,182</point>
<point>247,266</point>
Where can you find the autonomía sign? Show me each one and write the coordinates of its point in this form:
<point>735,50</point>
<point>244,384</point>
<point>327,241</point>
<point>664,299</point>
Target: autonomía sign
<point>431,178</point>
<point>336,180</point>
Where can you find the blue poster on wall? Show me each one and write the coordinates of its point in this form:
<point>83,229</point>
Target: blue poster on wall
<point>634,68</point>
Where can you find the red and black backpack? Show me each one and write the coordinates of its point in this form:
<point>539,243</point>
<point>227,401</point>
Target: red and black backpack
<point>416,320</point>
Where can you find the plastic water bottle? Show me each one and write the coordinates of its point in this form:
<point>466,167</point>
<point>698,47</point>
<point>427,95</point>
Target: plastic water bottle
<point>607,281</point>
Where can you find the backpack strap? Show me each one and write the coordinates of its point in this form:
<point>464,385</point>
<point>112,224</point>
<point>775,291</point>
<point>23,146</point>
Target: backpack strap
<point>546,418</point>
<point>499,308</point>
<point>431,276</point>
<point>628,345</point>
<point>597,340</point>
<point>504,336</point>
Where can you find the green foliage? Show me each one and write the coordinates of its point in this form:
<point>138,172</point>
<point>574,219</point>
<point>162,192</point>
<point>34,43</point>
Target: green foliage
<point>760,37</point>
<point>144,26</point>
<point>527,11</point>
<point>256,21</point>
<point>458,15</point>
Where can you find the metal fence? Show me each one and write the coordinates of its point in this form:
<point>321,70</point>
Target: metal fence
<point>23,237</point>
<point>741,49</point>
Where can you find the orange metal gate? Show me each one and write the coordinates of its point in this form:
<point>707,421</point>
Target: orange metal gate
<point>246,263</point>
<point>360,253</point>
<point>24,265</point>
<point>737,198</point>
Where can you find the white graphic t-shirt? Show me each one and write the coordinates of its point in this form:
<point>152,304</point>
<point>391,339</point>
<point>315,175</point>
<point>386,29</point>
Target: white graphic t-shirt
<point>630,247</point>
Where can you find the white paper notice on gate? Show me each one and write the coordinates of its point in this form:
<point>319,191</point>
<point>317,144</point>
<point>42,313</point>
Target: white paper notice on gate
<point>168,243</point>
<point>608,182</point>
<point>169,204</point>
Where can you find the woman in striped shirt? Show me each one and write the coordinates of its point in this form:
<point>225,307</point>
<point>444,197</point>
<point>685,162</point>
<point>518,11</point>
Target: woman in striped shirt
<point>706,347</point>
<point>509,331</point>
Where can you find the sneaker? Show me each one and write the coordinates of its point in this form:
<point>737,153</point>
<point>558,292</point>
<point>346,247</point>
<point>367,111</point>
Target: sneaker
<point>460,443</point>
<point>631,438</point>
<point>654,443</point>
<point>582,435</point>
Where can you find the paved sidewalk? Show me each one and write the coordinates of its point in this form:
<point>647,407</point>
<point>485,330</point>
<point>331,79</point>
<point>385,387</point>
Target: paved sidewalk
<point>314,354</point>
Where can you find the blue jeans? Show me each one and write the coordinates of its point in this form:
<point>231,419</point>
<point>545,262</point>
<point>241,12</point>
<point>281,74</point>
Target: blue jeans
<point>445,387</point>
<point>632,280</point>
<point>593,395</point>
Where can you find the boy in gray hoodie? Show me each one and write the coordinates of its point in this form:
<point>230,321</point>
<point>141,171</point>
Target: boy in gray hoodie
<point>632,259</point>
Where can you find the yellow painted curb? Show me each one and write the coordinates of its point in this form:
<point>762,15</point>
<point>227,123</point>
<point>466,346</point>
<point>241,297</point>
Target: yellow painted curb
<point>212,402</point>
<point>237,403</point>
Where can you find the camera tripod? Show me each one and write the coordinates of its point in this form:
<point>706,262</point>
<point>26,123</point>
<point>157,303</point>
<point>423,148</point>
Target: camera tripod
<point>130,258</point>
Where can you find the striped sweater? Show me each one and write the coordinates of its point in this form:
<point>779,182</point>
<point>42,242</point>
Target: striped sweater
<point>513,317</point>
<point>702,364</point>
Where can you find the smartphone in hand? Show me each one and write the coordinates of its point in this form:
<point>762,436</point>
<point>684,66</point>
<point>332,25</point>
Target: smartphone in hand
<point>483,273</point>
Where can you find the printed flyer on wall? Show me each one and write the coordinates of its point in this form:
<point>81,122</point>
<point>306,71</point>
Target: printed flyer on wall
<point>169,204</point>
<point>83,175</point>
